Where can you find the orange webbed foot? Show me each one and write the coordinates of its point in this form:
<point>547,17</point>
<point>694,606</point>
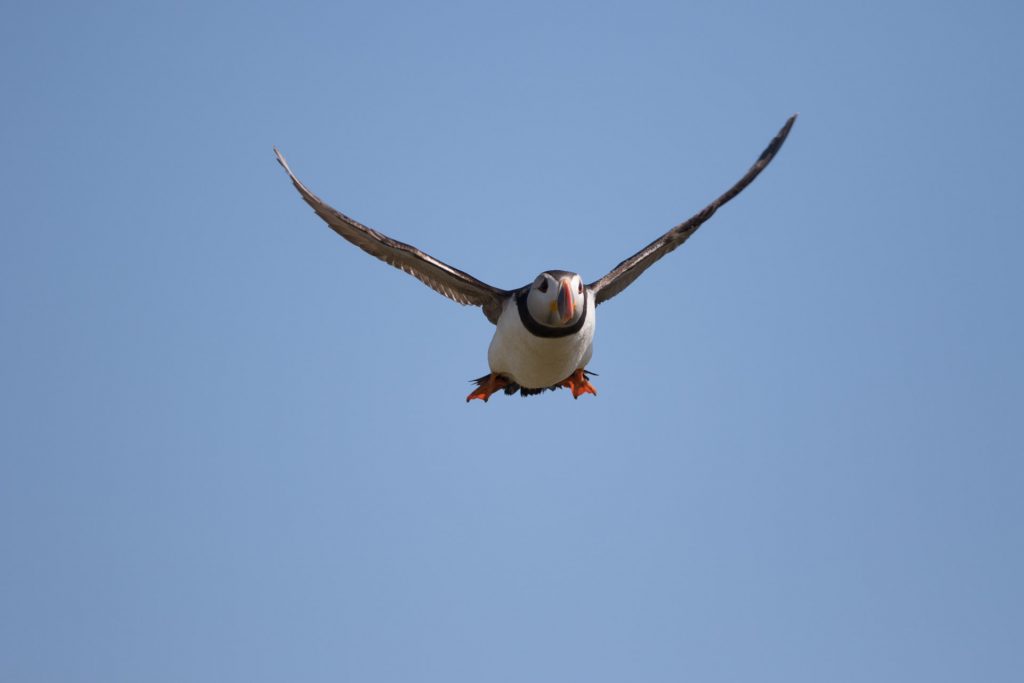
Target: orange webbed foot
<point>487,386</point>
<point>579,384</point>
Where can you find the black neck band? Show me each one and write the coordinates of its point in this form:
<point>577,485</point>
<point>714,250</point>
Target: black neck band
<point>538,330</point>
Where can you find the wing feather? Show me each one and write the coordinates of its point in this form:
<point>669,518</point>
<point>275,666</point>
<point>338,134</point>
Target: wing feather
<point>439,276</point>
<point>623,274</point>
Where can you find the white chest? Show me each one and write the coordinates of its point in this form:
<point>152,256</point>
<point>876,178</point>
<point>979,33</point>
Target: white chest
<point>538,362</point>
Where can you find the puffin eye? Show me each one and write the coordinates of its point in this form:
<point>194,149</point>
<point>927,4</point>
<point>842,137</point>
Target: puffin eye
<point>579,287</point>
<point>543,285</point>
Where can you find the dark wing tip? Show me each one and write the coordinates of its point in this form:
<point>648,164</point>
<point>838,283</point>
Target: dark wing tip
<point>310,198</point>
<point>281,160</point>
<point>773,147</point>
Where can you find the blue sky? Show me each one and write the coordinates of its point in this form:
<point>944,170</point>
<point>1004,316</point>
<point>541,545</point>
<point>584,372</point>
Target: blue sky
<point>233,447</point>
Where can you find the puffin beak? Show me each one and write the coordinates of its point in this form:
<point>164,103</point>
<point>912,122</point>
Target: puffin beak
<point>566,307</point>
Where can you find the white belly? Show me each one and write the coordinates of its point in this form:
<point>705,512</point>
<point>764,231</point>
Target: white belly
<point>538,362</point>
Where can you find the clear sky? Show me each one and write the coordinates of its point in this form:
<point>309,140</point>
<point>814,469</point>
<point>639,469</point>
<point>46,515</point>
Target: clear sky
<point>235,448</point>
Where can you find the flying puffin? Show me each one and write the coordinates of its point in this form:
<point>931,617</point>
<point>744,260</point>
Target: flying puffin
<point>545,330</point>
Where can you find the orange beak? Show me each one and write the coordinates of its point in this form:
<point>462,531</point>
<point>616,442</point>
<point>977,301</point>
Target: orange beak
<point>566,306</point>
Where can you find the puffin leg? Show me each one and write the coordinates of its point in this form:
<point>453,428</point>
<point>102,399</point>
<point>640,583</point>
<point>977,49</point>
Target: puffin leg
<point>486,386</point>
<point>579,384</point>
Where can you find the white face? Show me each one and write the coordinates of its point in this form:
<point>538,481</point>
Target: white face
<point>556,299</point>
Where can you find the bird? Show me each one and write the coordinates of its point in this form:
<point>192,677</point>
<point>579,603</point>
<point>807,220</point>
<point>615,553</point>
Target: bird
<point>544,331</point>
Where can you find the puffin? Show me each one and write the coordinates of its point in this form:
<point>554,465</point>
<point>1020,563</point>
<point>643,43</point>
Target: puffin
<point>544,331</point>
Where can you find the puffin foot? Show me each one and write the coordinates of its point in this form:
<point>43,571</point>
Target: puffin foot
<point>578,383</point>
<point>487,385</point>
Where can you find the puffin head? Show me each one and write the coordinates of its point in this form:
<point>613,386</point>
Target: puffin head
<point>556,298</point>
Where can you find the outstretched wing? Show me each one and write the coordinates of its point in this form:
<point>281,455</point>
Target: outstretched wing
<point>439,276</point>
<point>630,269</point>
